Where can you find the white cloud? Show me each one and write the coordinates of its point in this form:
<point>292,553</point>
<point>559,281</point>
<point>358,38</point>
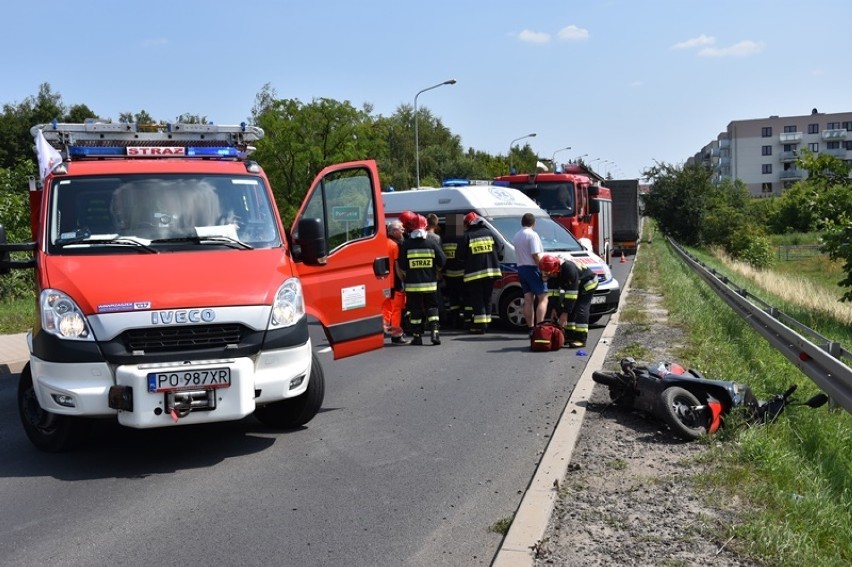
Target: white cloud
<point>741,49</point>
<point>636,84</point>
<point>573,33</point>
<point>530,36</point>
<point>695,42</point>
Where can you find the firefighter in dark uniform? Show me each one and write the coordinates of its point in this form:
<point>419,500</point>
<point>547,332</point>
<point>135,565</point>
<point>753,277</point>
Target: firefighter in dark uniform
<point>480,253</point>
<point>576,285</point>
<point>453,273</point>
<point>420,260</point>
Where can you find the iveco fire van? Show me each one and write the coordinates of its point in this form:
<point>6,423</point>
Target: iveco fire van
<point>169,292</point>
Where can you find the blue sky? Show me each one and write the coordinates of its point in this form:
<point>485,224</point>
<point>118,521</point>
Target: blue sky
<point>626,82</point>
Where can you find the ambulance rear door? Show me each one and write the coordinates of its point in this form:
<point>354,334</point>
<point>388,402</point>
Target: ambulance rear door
<point>341,247</point>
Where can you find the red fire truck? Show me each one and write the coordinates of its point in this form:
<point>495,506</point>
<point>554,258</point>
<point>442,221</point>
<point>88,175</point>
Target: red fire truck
<point>574,202</point>
<point>170,292</point>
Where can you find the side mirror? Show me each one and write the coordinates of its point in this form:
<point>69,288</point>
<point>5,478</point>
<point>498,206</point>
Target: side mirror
<point>312,243</point>
<point>594,206</point>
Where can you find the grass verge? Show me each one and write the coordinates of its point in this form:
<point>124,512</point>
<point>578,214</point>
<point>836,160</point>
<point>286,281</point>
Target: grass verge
<point>16,315</point>
<point>793,478</point>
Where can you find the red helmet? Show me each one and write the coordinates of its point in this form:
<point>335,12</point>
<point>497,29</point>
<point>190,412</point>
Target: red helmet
<point>408,219</point>
<point>471,218</point>
<point>549,265</point>
<point>420,223</point>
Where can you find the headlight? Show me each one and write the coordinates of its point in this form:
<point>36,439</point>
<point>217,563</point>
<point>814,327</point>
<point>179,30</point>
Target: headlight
<point>289,305</point>
<point>60,316</point>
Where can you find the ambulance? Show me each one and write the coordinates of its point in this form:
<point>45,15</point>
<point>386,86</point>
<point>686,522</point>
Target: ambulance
<point>502,209</point>
<point>169,292</point>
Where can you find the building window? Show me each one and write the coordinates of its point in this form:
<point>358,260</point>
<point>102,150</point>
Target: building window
<point>847,125</point>
<point>789,129</point>
<point>814,147</point>
<point>833,126</point>
<point>766,151</point>
<point>832,145</point>
<point>813,128</point>
<point>766,187</point>
<point>790,147</point>
<point>848,145</point>
<point>767,168</point>
<point>766,132</point>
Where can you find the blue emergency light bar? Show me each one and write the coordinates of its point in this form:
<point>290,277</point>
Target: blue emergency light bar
<point>120,151</point>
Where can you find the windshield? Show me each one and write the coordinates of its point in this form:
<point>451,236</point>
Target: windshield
<point>111,213</point>
<point>555,197</point>
<point>554,236</point>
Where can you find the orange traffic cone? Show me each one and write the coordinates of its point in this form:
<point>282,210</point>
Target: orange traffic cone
<point>623,259</point>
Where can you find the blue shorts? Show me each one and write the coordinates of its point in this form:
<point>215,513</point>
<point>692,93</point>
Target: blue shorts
<point>531,281</point>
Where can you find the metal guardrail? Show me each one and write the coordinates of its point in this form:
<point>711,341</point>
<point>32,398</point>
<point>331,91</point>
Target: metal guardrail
<point>819,358</point>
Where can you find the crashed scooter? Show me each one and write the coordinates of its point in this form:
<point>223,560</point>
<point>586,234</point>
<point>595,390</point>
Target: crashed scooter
<point>690,404</point>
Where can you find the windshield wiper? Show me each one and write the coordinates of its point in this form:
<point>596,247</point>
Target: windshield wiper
<point>218,239</point>
<point>107,241</point>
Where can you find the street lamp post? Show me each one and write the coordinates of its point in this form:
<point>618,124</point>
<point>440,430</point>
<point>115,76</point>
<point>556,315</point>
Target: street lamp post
<point>553,157</point>
<point>512,143</point>
<point>416,131</point>
<point>578,158</point>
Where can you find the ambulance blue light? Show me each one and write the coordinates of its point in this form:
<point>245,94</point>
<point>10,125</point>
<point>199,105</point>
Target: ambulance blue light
<point>192,151</point>
<point>85,151</point>
<point>455,182</point>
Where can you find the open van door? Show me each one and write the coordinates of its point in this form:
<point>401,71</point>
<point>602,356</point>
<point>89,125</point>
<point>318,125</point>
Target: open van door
<point>341,247</point>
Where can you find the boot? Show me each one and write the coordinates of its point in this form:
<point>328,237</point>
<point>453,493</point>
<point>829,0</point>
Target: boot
<point>436,339</point>
<point>417,340</point>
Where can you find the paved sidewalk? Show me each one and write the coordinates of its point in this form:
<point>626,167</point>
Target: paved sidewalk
<point>13,353</point>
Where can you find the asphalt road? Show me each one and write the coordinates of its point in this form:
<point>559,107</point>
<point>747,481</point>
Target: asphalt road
<point>416,453</point>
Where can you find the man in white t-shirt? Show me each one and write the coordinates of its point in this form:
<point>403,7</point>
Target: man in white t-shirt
<point>528,252</point>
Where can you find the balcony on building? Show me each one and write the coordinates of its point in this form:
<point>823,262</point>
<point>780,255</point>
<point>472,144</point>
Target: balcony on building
<point>790,137</point>
<point>836,134</point>
<point>790,174</point>
<point>788,156</point>
<point>725,160</point>
<point>838,153</point>
<point>724,143</point>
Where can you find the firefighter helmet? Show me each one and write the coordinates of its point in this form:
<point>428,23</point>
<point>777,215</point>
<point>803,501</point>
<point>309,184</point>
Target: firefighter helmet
<point>420,223</point>
<point>549,265</point>
<point>471,218</point>
<point>408,220</point>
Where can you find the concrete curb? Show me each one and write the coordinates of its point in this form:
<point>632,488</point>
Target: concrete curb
<point>533,515</point>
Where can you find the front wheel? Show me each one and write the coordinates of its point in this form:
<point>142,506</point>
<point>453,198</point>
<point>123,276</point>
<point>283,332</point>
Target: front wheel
<point>48,431</point>
<point>512,309</point>
<point>296,412</point>
<point>684,414</point>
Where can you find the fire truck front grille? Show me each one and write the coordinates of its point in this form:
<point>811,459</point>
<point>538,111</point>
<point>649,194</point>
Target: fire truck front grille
<point>163,339</point>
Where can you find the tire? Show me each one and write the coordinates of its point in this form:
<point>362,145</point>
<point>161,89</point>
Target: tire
<point>512,310</point>
<point>50,432</point>
<point>296,412</point>
<point>678,408</point>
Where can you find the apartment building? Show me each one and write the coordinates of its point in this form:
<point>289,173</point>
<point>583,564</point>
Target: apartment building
<point>762,152</point>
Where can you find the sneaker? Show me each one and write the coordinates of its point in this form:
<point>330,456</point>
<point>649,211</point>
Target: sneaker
<point>417,340</point>
<point>436,340</point>
<point>401,340</point>
<point>532,332</point>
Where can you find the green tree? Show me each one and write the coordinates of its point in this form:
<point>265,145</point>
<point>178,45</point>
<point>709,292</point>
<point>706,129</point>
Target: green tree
<point>16,120</point>
<point>15,219</point>
<point>678,200</point>
<point>829,191</point>
<point>303,138</point>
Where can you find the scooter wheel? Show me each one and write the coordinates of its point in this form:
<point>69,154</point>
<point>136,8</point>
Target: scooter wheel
<point>681,413</point>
